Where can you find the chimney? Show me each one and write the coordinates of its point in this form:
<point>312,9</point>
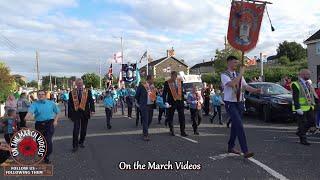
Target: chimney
<point>171,52</point>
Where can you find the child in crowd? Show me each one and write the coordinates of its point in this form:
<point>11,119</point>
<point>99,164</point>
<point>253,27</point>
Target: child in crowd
<point>216,103</point>
<point>162,108</point>
<point>9,124</point>
<point>195,102</point>
<point>108,103</point>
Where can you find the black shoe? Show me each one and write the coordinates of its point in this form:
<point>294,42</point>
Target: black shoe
<point>166,123</point>
<point>74,149</point>
<point>109,126</point>
<point>172,132</point>
<point>196,133</point>
<point>81,145</point>
<point>248,155</point>
<point>211,120</point>
<point>47,161</point>
<point>228,125</point>
<point>183,134</point>
<point>304,141</point>
<point>146,138</point>
<point>220,123</point>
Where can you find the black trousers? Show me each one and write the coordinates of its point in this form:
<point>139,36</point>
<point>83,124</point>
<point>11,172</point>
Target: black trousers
<point>196,118</point>
<point>22,116</point>
<point>46,128</point>
<point>161,112</point>
<point>4,155</point>
<point>206,105</point>
<point>217,111</point>
<point>138,116</point>
<point>8,137</point>
<point>179,106</point>
<point>146,116</point>
<point>79,124</point>
<point>129,101</point>
<point>108,115</point>
<point>305,122</point>
<point>122,104</point>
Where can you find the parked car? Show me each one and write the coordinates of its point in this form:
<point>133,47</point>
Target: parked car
<point>274,102</point>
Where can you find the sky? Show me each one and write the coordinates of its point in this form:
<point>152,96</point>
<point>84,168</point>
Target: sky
<point>74,36</point>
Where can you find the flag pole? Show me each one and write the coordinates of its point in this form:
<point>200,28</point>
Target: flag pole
<point>147,63</point>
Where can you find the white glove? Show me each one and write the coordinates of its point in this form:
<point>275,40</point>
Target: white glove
<point>167,105</point>
<point>300,112</point>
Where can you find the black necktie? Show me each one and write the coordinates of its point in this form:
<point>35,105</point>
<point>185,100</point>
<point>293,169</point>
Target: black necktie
<point>79,94</point>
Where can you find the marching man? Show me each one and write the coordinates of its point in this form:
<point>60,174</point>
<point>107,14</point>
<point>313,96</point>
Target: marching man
<point>80,108</point>
<point>232,84</point>
<point>173,99</point>
<point>304,101</point>
<point>146,97</point>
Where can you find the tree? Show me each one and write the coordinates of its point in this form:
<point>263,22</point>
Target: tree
<point>91,80</point>
<point>33,83</point>
<point>19,82</point>
<point>7,83</point>
<point>294,51</point>
<point>220,61</point>
<point>284,60</point>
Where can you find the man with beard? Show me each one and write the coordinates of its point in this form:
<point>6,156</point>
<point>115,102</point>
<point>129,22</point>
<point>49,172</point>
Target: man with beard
<point>304,104</point>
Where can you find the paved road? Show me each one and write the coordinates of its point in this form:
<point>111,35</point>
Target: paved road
<point>278,153</point>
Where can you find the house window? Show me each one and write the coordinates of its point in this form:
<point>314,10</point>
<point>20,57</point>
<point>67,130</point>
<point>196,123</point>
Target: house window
<point>318,48</point>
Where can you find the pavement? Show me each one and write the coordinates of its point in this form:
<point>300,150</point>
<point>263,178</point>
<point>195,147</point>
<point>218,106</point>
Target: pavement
<point>112,154</point>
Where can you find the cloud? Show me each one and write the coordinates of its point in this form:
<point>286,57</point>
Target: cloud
<point>74,43</point>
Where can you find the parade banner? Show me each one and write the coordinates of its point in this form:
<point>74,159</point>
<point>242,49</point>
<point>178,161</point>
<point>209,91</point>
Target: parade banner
<point>129,72</point>
<point>244,24</point>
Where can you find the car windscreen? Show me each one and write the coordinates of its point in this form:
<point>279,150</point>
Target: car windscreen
<point>271,89</point>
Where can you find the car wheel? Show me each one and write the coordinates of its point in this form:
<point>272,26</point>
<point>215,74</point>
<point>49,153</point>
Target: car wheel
<point>266,113</point>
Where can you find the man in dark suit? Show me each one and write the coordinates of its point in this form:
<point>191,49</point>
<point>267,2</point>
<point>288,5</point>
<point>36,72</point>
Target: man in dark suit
<point>146,97</point>
<point>80,107</point>
<point>174,99</point>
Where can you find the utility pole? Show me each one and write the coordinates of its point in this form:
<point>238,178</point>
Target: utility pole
<point>147,63</point>
<point>225,43</point>
<point>122,49</point>
<point>38,72</point>
<point>50,82</point>
<point>261,63</point>
<point>100,74</point>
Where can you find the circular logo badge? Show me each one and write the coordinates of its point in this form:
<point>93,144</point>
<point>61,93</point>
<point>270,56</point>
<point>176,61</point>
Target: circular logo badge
<point>28,147</point>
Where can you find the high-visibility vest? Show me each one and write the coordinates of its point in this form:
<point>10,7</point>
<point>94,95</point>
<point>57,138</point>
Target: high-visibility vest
<point>303,101</point>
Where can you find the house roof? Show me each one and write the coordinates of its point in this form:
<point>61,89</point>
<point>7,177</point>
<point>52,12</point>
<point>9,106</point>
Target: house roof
<point>204,64</point>
<point>314,37</point>
<point>156,62</point>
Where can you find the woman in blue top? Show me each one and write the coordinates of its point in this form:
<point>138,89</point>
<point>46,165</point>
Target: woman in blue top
<point>108,105</point>
<point>216,103</point>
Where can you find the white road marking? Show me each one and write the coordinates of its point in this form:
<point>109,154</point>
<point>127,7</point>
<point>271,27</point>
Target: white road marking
<point>188,139</point>
<point>222,156</point>
<point>268,169</point>
<point>260,164</point>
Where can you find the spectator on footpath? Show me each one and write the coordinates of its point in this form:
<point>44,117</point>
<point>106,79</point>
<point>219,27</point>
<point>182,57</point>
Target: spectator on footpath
<point>4,153</point>
<point>11,103</point>
<point>9,125</point>
<point>22,105</point>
